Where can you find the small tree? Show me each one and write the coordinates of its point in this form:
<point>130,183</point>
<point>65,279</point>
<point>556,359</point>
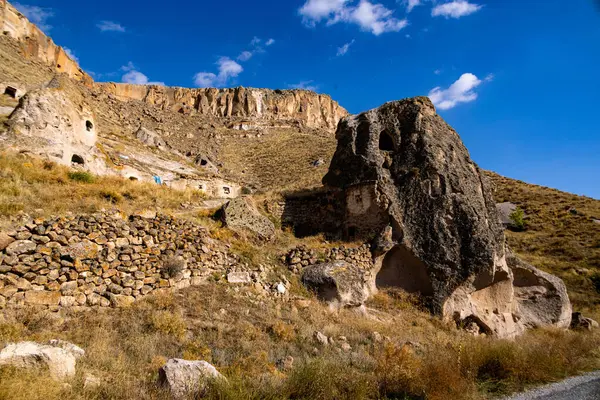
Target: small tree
<point>517,219</point>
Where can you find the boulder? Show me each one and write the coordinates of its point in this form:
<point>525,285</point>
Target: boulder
<point>150,138</point>
<point>579,322</point>
<point>338,283</point>
<point>30,355</point>
<point>407,180</point>
<point>241,213</point>
<point>187,378</point>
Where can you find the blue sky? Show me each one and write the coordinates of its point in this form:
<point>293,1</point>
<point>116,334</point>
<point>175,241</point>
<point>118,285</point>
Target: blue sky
<point>518,79</point>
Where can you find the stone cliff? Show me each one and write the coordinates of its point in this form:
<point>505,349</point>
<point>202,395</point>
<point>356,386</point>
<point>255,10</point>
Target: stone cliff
<point>252,108</point>
<point>410,184</point>
<point>36,45</point>
<point>290,107</point>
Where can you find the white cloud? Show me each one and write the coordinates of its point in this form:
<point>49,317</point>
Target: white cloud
<point>410,4</point>
<point>110,26</point>
<point>344,49</point>
<point>461,91</point>
<point>455,9</point>
<point>374,18</point>
<point>305,85</point>
<point>437,71</point>
<point>270,42</point>
<point>135,77</point>
<point>71,54</point>
<point>255,41</point>
<point>245,56</point>
<point>37,15</point>
<point>228,69</point>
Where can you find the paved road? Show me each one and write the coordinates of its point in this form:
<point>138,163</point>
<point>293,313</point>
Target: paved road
<point>585,387</point>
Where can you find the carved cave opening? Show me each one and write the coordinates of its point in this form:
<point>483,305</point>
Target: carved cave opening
<point>11,92</point>
<point>89,126</point>
<point>401,269</point>
<point>386,142</point>
<point>77,159</point>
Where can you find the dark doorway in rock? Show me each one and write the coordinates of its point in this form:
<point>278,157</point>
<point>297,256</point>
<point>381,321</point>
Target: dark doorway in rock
<point>351,232</point>
<point>386,143</point>
<point>77,159</point>
<point>11,91</point>
<point>401,269</point>
<point>226,190</point>
<point>133,178</point>
<point>89,126</point>
<point>203,162</point>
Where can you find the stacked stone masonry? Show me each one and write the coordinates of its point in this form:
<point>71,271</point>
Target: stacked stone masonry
<point>301,257</point>
<point>104,259</point>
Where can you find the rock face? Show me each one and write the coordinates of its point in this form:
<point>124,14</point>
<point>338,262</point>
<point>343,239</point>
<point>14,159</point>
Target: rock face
<point>410,184</point>
<point>149,138</point>
<point>49,124</point>
<point>58,357</point>
<point>187,378</point>
<point>240,213</point>
<point>36,44</point>
<point>261,106</point>
<point>339,283</point>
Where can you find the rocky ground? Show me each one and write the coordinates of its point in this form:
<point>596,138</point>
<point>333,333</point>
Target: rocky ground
<point>114,287</point>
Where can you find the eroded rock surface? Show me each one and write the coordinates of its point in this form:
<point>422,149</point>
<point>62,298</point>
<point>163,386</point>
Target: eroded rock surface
<point>241,213</point>
<point>338,282</point>
<point>58,357</point>
<point>409,182</point>
<point>187,378</point>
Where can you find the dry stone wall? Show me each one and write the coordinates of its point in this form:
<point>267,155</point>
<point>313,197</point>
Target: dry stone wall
<point>104,259</point>
<point>301,257</point>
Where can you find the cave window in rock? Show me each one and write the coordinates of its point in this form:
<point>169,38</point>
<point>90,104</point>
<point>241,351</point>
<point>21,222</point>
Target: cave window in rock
<point>77,159</point>
<point>200,187</point>
<point>11,92</point>
<point>351,232</point>
<point>226,190</point>
<point>401,269</point>
<point>203,162</point>
<point>386,142</point>
<point>133,178</point>
<point>89,126</point>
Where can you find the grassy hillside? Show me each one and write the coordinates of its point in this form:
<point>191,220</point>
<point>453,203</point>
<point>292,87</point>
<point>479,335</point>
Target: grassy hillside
<point>561,236</point>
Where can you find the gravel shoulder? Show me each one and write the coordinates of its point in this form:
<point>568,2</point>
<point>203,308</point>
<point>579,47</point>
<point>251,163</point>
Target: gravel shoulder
<point>584,387</point>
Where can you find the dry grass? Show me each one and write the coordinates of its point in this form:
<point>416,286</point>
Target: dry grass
<point>281,159</point>
<point>561,236</point>
<point>244,336</point>
<point>42,188</point>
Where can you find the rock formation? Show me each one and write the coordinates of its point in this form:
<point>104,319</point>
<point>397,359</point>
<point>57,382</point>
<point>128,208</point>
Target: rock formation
<point>57,357</point>
<point>49,124</point>
<point>261,106</point>
<point>410,184</point>
<point>241,213</point>
<point>35,44</point>
<point>187,379</point>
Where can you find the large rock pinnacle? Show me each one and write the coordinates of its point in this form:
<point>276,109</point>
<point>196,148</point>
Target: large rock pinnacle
<point>402,166</point>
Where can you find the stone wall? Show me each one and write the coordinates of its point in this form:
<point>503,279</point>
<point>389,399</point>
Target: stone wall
<point>310,213</point>
<point>310,109</point>
<point>104,259</point>
<point>301,257</point>
<point>35,44</point>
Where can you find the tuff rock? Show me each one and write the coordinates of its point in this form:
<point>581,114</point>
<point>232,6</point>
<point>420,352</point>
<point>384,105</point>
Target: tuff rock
<point>58,358</point>
<point>408,180</point>
<point>241,213</point>
<point>338,282</point>
<point>185,378</point>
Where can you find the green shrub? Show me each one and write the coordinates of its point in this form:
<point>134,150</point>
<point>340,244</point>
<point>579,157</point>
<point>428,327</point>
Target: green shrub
<point>517,218</point>
<point>82,176</point>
